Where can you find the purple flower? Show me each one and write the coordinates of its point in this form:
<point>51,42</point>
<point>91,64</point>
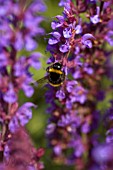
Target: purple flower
<point>65,120</point>
<point>24,113</point>
<point>65,3</point>
<point>78,147</point>
<point>30,22</point>
<point>13,124</point>
<point>28,90</point>
<point>60,18</point>
<point>78,29</point>
<point>85,127</point>
<point>67,32</point>
<point>70,85</point>
<point>86,40</point>
<point>6,152</point>
<point>30,44</point>
<point>57,149</point>
<point>64,48</point>
<point>50,128</point>
<point>22,116</point>
<point>77,50</point>
<point>3,60</point>
<point>78,95</point>
<point>95,19</point>
<point>77,74</point>
<point>10,96</point>
<point>56,24</point>
<point>51,60</point>
<point>60,94</point>
<point>55,38</point>
<point>19,27</point>
<point>77,92</point>
<point>18,44</point>
<point>19,67</point>
<point>109,136</point>
<point>88,70</point>
<point>34,60</point>
<point>37,5</point>
<point>69,104</point>
<point>21,71</point>
<point>103,153</point>
<point>109,37</point>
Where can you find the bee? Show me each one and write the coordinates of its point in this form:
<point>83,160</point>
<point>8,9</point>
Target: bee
<point>55,76</point>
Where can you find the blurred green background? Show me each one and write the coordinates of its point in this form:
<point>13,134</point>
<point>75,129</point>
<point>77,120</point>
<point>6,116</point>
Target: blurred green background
<point>37,125</point>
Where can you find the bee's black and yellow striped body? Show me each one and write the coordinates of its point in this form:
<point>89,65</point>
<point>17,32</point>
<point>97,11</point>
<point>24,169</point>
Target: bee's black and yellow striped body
<point>55,75</point>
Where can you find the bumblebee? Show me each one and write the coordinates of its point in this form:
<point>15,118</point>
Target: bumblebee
<point>55,75</point>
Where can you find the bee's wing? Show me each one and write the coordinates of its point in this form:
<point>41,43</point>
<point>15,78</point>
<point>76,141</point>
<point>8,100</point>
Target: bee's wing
<point>41,82</point>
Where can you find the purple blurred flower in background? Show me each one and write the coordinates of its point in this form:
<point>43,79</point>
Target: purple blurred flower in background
<point>21,117</point>
<point>19,26</point>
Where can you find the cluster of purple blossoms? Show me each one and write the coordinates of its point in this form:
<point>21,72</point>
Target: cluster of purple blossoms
<point>19,26</point>
<point>79,41</point>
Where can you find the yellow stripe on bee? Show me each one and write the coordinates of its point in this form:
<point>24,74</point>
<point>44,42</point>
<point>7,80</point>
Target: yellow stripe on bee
<point>55,71</point>
<point>55,85</point>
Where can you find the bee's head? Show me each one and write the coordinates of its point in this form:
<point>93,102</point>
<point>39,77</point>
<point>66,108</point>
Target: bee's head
<point>57,66</point>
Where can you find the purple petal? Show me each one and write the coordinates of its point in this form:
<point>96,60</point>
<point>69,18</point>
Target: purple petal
<point>65,120</point>
<point>34,60</point>
<point>50,60</point>
<point>50,128</point>
<point>109,136</point>
<point>95,19</point>
<point>89,70</point>
<point>60,18</point>
<point>13,124</point>
<point>19,69</point>
<point>19,41</point>
<point>24,113</point>
<point>37,6</point>
<point>3,60</point>
<point>53,41</point>
<point>109,37</point>
<point>57,35</point>
<point>60,94</point>
<point>103,153</point>
<point>55,24</point>
<point>28,90</point>
<point>30,44</point>
<point>77,74</point>
<point>67,32</point>
<point>68,104</point>
<point>6,152</point>
<point>64,48</point>
<point>10,96</point>
<point>24,116</point>
<point>79,151</point>
<point>77,50</point>
<point>85,128</point>
<point>3,10</point>
<point>78,29</point>
<point>87,36</point>
<point>88,43</point>
<point>28,105</point>
<point>70,85</point>
<point>65,3</point>
<point>57,150</point>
